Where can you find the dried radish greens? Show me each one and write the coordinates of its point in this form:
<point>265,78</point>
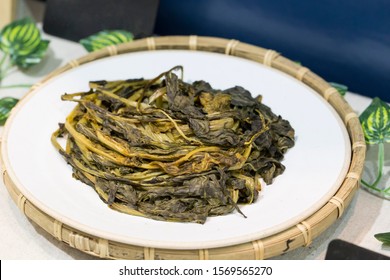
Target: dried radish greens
<point>169,150</point>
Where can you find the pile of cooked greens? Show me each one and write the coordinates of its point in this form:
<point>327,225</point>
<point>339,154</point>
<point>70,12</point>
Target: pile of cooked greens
<point>169,150</point>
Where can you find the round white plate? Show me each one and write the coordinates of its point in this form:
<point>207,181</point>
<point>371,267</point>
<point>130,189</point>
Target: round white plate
<point>315,167</point>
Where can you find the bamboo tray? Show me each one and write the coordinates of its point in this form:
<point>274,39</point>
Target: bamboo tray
<point>298,233</point>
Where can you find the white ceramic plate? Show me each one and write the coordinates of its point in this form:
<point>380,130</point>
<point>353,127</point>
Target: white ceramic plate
<point>315,167</point>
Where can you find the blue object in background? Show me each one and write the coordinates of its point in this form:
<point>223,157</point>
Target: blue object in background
<point>346,41</point>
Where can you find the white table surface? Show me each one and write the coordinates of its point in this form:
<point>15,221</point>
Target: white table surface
<point>22,239</point>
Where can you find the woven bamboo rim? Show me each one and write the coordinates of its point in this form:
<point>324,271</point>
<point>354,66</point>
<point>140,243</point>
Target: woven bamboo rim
<point>296,236</point>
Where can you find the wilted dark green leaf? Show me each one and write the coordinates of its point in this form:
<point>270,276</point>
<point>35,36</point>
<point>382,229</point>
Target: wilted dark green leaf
<point>6,105</point>
<point>342,89</point>
<point>383,237</point>
<point>21,40</point>
<point>106,38</point>
<point>173,151</point>
<point>375,121</point>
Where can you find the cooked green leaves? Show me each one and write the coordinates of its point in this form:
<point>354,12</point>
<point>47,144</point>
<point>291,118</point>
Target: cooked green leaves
<point>106,38</point>
<point>169,150</point>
